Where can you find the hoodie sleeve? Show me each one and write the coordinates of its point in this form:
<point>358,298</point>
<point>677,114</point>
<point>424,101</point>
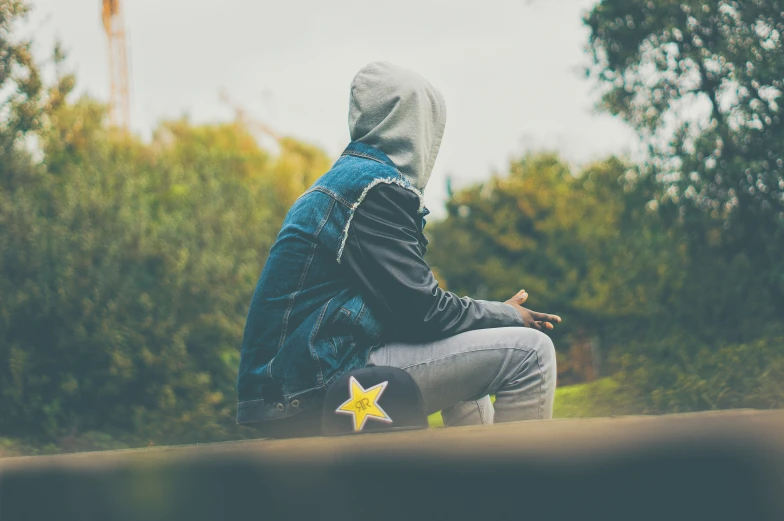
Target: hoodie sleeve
<point>384,257</point>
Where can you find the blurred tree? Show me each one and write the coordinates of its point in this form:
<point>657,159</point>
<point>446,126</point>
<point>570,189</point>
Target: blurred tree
<point>703,84</point>
<point>588,247</point>
<point>20,81</point>
<point>127,274</point>
<point>20,104</point>
<point>126,268</point>
<point>572,241</point>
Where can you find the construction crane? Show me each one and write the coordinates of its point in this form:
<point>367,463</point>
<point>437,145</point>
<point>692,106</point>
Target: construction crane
<point>119,104</point>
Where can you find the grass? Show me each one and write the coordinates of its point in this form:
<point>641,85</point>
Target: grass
<point>88,441</point>
<point>599,398</point>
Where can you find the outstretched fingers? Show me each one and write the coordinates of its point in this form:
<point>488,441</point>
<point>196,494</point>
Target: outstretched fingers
<point>545,317</point>
<point>545,320</point>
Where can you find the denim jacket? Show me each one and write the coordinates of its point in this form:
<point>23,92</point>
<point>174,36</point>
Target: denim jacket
<point>307,325</point>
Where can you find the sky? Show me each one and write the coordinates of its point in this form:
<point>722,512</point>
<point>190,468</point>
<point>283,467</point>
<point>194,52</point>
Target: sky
<point>511,71</point>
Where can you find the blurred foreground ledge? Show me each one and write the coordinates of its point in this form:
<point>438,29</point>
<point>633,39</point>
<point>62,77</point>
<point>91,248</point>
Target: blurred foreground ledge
<point>718,465</point>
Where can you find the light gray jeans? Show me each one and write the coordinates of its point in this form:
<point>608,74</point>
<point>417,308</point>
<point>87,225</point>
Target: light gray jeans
<point>456,375</point>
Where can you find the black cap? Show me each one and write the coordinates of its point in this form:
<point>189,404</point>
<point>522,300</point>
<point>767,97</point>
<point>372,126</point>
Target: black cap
<point>373,399</point>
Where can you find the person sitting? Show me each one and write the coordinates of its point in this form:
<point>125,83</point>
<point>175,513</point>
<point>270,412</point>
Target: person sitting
<point>346,285</point>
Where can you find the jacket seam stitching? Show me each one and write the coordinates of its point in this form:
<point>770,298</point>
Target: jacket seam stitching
<point>299,393</point>
<point>361,313</point>
<point>312,337</point>
<point>331,194</point>
<point>250,402</point>
<point>327,214</point>
<point>366,156</point>
<point>284,331</point>
<point>269,367</point>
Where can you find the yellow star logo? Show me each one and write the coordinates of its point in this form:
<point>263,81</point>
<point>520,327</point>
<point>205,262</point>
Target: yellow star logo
<point>363,404</point>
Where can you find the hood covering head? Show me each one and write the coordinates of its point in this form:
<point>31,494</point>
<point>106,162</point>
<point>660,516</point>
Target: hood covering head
<point>400,113</point>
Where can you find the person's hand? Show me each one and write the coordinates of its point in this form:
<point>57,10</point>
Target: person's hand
<point>532,319</point>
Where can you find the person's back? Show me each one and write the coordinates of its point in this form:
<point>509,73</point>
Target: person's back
<point>346,278</point>
<point>307,323</point>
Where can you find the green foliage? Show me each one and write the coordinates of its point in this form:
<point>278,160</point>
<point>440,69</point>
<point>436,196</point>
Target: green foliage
<point>703,83</point>
<point>126,275</point>
<point>660,306</point>
<point>126,268</point>
<point>749,375</point>
<point>512,227</point>
<point>119,285</point>
<point>20,80</point>
<point>575,243</point>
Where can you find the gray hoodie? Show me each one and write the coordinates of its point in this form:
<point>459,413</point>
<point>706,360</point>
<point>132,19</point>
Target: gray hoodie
<point>400,113</point>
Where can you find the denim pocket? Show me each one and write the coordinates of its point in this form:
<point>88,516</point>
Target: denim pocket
<point>340,330</point>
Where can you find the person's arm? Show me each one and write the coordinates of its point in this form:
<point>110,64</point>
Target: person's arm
<point>383,256</point>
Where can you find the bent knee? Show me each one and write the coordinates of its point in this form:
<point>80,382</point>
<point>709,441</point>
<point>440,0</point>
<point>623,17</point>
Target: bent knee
<point>543,346</point>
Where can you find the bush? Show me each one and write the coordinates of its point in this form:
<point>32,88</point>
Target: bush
<point>126,270</point>
<point>749,375</point>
